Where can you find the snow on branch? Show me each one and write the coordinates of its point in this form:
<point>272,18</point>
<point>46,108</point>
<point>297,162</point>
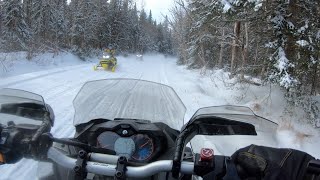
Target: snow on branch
<point>283,65</point>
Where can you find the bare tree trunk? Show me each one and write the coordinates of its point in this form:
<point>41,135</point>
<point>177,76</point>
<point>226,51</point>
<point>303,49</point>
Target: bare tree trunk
<point>245,50</point>
<point>185,54</point>
<point>263,70</point>
<point>265,66</point>
<point>314,80</point>
<point>201,57</point>
<point>234,45</point>
<point>27,8</point>
<point>233,51</point>
<point>256,54</point>
<point>221,51</point>
<point>290,47</point>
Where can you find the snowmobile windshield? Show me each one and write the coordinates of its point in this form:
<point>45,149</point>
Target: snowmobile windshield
<point>19,96</point>
<point>21,107</point>
<point>228,144</point>
<point>129,99</point>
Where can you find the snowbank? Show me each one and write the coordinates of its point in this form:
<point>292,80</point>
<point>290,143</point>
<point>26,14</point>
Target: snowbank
<point>16,63</point>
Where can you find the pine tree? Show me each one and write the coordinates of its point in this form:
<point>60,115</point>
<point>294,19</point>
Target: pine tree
<point>134,31</point>
<point>82,26</point>
<point>202,33</point>
<point>102,32</point>
<point>150,17</point>
<point>42,14</point>
<point>16,32</point>
<point>77,28</point>
<point>276,40</point>
<point>58,24</point>
<point>1,24</point>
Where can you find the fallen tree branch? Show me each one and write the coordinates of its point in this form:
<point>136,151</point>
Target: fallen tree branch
<point>245,80</point>
<point>5,69</point>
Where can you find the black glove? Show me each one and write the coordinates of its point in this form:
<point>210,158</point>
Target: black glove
<point>259,162</point>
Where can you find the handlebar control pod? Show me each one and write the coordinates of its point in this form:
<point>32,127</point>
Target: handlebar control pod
<point>12,146</point>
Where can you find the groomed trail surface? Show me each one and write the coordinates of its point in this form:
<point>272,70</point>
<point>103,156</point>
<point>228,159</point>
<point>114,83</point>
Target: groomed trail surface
<point>59,86</point>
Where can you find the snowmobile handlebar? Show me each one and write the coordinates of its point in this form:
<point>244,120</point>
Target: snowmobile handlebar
<point>110,169</point>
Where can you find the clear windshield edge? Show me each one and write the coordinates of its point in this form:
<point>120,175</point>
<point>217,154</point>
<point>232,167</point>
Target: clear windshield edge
<point>128,98</point>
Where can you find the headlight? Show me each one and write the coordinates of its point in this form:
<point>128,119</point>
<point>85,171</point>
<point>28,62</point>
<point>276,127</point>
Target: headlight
<point>106,57</point>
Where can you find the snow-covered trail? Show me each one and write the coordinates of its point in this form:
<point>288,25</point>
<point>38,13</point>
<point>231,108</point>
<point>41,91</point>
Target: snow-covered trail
<point>59,87</point>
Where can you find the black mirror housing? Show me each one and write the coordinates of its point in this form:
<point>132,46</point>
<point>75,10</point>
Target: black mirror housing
<point>212,125</point>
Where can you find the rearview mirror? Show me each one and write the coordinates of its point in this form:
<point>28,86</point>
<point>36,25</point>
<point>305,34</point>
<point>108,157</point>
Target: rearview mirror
<point>24,108</point>
<point>208,125</point>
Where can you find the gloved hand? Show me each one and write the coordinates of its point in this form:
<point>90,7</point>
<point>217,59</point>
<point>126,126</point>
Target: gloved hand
<point>259,162</point>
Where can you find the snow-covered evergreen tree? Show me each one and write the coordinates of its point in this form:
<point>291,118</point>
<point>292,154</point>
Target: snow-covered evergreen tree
<point>15,31</point>
<point>1,25</point>
<point>42,14</point>
<point>134,30</point>
<point>150,17</point>
<point>58,24</point>
<point>296,57</point>
<point>276,40</point>
<point>81,26</point>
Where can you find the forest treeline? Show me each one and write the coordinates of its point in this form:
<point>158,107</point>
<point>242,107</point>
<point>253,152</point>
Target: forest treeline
<point>80,26</point>
<point>275,40</point>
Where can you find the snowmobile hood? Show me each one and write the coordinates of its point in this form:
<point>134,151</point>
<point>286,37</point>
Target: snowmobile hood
<point>128,98</point>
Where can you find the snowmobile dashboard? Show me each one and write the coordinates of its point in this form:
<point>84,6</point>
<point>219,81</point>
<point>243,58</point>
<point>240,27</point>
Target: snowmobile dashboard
<point>138,140</point>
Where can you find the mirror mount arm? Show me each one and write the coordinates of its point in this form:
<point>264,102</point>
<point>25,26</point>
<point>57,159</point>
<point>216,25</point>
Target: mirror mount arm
<point>83,146</point>
<point>40,143</point>
<point>186,135</point>
<point>44,127</point>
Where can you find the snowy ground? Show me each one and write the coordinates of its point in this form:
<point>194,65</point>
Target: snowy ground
<point>59,86</point>
<point>15,63</point>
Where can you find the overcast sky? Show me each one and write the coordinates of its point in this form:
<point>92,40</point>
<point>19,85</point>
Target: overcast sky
<point>157,7</point>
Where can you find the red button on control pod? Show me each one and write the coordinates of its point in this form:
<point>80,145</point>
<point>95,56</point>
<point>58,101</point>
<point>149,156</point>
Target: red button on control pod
<point>206,154</point>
